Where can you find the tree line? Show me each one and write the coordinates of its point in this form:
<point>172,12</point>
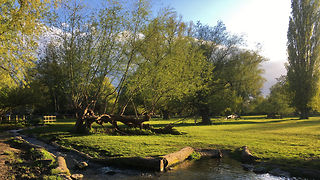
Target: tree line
<point>123,58</point>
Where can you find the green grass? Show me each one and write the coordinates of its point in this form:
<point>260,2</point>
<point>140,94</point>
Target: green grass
<point>287,141</point>
<point>11,126</point>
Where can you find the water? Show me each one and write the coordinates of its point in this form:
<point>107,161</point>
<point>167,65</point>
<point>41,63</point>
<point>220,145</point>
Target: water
<point>224,168</point>
<point>203,169</point>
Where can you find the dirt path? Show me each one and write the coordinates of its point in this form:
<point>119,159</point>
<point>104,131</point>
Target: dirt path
<point>4,168</point>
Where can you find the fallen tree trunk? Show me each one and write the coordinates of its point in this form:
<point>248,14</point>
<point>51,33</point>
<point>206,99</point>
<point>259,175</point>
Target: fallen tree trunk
<point>177,157</point>
<point>62,166</point>
<point>130,121</point>
<point>90,118</point>
<point>210,153</point>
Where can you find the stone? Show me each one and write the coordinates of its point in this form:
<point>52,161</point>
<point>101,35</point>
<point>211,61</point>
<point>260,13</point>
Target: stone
<point>260,170</point>
<point>64,176</point>
<point>77,176</point>
<point>247,167</point>
<point>247,156</point>
<point>279,172</point>
<point>82,165</point>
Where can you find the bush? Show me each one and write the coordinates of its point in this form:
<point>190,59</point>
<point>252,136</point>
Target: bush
<point>37,121</point>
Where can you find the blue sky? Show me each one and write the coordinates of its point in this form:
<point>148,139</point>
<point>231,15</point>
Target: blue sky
<point>262,21</point>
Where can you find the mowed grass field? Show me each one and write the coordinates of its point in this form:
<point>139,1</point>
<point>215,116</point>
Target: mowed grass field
<point>287,141</point>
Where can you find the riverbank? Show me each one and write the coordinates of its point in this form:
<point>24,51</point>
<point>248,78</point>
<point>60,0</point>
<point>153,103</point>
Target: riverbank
<point>289,142</point>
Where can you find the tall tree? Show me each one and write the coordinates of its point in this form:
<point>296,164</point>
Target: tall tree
<point>19,29</point>
<point>92,49</point>
<point>170,65</point>
<point>303,54</point>
<point>236,76</point>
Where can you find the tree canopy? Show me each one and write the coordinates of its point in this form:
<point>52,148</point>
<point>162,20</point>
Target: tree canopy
<point>102,60</point>
<point>20,27</point>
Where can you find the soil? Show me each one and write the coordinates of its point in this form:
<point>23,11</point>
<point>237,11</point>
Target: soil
<point>17,162</point>
<point>5,170</point>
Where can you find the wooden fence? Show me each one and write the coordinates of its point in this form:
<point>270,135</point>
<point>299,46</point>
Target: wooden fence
<point>49,119</point>
<point>25,118</point>
<point>13,118</point>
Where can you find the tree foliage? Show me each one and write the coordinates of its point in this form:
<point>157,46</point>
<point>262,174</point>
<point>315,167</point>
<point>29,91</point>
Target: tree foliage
<point>303,54</point>
<point>277,103</point>
<point>170,65</point>
<point>20,27</point>
<point>236,76</point>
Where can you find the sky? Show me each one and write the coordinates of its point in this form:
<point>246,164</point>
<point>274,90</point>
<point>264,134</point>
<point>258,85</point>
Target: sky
<point>261,21</point>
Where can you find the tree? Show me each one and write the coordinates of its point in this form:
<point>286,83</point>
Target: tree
<point>236,76</point>
<point>94,50</point>
<point>20,27</point>
<point>277,102</point>
<point>303,54</point>
<point>170,64</point>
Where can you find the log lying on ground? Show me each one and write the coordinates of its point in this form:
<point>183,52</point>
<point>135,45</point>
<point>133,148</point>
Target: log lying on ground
<point>210,153</point>
<point>177,157</point>
<point>247,156</point>
<point>90,118</point>
<point>130,121</point>
<point>62,167</point>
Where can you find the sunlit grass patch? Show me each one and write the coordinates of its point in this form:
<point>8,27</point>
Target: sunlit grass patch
<point>288,141</point>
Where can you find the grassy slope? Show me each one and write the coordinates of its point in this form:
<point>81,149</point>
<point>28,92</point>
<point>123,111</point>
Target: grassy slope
<point>284,141</point>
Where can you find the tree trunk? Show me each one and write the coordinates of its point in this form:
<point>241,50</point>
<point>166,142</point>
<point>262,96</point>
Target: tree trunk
<point>205,116</point>
<point>80,120</point>
<point>304,113</point>
<point>177,157</point>
<point>166,114</point>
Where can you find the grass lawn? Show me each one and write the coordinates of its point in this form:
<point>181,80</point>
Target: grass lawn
<point>287,141</point>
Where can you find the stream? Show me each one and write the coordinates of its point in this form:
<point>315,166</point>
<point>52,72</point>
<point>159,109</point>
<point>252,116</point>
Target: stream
<point>220,169</point>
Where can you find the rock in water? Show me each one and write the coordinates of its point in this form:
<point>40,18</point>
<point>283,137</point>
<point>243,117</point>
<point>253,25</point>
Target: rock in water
<point>279,172</point>
<point>260,170</point>
<point>247,167</point>
<point>77,176</point>
<point>82,165</point>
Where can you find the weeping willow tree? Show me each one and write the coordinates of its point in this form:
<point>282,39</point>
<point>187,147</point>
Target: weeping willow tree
<point>303,54</point>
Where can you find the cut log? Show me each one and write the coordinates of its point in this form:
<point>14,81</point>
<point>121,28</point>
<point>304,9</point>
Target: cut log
<point>62,167</point>
<point>210,153</point>
<point>177,157</point>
